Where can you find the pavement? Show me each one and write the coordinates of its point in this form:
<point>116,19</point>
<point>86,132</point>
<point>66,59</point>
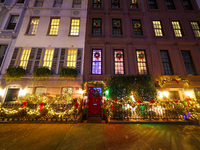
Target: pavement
<point>99,137</point>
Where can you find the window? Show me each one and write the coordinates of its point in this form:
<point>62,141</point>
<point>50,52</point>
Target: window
<point>158,28</point>
<point>177,28</point>
<point>71,58</point>
<point>170,4</point>
<point>39,3</point>
<point>189,65</point>
<point>2,52</point>
<point>137,27</point>
<point>96,3</point>
<point>96,61</point>
<point>40,91</point>
<point>57,3</point>
<point>67,90</point>
<point>174,95</point>
<point>75,23</point>
<point>54,26</point>
<point>20,1</point>
<point>166,62</point>
<point>152,4</point>
<point>187,4</point>
<point>119,61</point>
<point>2,1</point>
<point>48,57</point>
<point>197,93</point>
<point>12,22</point>
<point>32,28</point>
<point>195,27</point>
<point>133,4</point>
<point>117,27</point>
<point>115,4</point>
<point>96,26</point>
<point>24,58</point>
<point>141,62</point>
<point>76,4</point>
<point>12,94</point>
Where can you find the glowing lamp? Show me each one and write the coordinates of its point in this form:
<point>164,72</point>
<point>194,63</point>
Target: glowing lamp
<point>2,92</point>
<point>166,94</point>
<point>22,92</point>
<point>107,92</point>
<point>80,91</point>
<point>190,94</point>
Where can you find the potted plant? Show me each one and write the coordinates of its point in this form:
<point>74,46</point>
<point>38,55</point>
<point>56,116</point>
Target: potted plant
<point>68,72</point>
<point>42,73</point>
<point>13,73</point>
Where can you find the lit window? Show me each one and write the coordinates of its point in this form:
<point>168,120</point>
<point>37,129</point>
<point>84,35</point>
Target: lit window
<point>67,90</point>
<point>96,3</point>
<point>39,3</point>
<point>75,27</point>
<point>13,22</point>
<point>76,4</point>
<point>174,95</point>
<point>71,58</point>
<point>133,4</point>
<point>152,4</point>
<point>48,57</point>
<point>33,26</point>
<point>96,26</point>
<point>115,4</point>
<point>54,26</point>
<point>170,4</point>
<point>137,27</point>
<point>158,28</point>
<point>166,62</point>
<point>119,62</point>
<point>40,91</point>
<point>195,27</point>
<point>96,61</point>
<point>177,28</point>
<point>117,27</point>
<point>197,93</point>
<point>141,62</point>
<point>189,65</point>
<point>24,58</point>
<point>57,3</point>
<point>187,4</point>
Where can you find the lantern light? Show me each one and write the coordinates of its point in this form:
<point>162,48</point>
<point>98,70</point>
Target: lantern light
<point>22,92</point>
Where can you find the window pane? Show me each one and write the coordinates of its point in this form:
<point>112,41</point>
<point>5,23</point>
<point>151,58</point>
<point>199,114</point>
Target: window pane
<point>189,65</point>
<point>54,26</point>
<point>12,23</point>
<point>115,4</point>
<point>170,4</point>
<point>177,28</point>
<point>117,27</point>
<point>40,91</point>
<point>167,67</point>
<point>133,4</point>
<point>57,3</point>
<point>75,27</point>
<point>96,61</point>
<point>141,61</point>
<point>137,27</point>
<point>39,3</point>
<point>3,49</point>
<point>195,27</point>
<point>119,62</point>
<point>153,4</point>
<point>158,28</point>
<point>187,4</point>
<point>96,3</point>
<point>76,4</point>
<point>24,58</point>
<point>48,57</point>
<point>71,58</point>
<point>96,26</point>
<point>33,25</point>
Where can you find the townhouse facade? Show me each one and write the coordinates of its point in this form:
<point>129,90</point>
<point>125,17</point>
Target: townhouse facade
<point>52,35</point>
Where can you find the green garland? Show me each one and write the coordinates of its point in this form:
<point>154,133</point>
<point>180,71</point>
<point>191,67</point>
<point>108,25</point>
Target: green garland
<point>68,72</point>
<point>13,73</point>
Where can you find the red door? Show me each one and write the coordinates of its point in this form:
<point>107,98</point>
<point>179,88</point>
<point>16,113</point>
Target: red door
<point>94,97</point>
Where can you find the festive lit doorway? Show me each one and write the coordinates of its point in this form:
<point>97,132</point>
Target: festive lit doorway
<point>94,104</point>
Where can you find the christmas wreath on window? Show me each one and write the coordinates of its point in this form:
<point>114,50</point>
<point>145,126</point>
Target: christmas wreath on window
<point>119,55</point>
<point>96,25</point>
<point>97,55</point>
<point>134,2</point>
<point>137,25</point>
<point>97,1</point>
<point>116,2</point>
<point>141,56</point>
<point>117,25</point>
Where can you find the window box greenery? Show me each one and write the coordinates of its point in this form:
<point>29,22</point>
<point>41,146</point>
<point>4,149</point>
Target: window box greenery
<point>42,73</point>
<point>13,73</point>
<point>68,72</point>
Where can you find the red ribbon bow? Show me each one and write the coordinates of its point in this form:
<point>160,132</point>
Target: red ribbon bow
<point>176,81</point>
<point>152,101</point>
<point>176,101</point>
<point>41,106</point>
<point>76,105</point>
<point>24,104</point>
<point>139,101</point>
<point>111,105</point>
<point>116,101</point>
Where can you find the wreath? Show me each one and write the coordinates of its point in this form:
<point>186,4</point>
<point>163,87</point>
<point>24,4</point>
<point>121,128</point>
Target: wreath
<point>137,25</point>
<point>96,25</point>
<point>97,55</point>
<point>97,1</point>
<point>95,93</point>
<point>117,25</point>
<point>119,56</point>
<point>116,2</point>
<point>141,56</point>
<point>134,2</point>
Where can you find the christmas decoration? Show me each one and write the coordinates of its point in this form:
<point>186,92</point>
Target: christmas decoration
<point>117,25</point>
<point>24,104</point>
<point>116,2</point>
<point>97,55</point>
<point>119,55</point>
<point>177,80</point>
<point>76,105</point>
<point>141,56</point>
<point>97,1</point>
<point>176,101</point>
<point>41,106</point>
<point>137,25</point>
<point>96,25</point>
<point>139,101</point>
<point>134,2</point>
<point>116,101</point>
<point>152,101</point>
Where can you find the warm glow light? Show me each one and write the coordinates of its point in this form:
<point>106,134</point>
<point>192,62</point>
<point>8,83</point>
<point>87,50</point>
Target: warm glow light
<point>80,91</point>
<point>132,98</point>
<point>166,94</point>
<point>190,94</point>
<point>2,92</point>
<point>22,92</point>
<point>160,94</point>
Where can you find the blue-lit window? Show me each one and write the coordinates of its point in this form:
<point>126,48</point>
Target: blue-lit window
<point>96,62</point>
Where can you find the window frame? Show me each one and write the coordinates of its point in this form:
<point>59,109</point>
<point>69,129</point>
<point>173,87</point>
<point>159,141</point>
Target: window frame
<point>195,29</point>
<point>160,29</point>
<point>170,7</point>
<point>155,6</point>
<point>96,61</point>
<point>3,54</point>
<point>131,4</point>
<point>181,29</point>
<point>66,58</point>
<point>48,60</point>
<point>77,6</point>
<point>100,19</point>
<point>119,27</point>
<point>147,68</point>
<point>9,20</point>
<point>122,61</point>
<point>29,25</point>
<point>56,2</point>
<point>21,55</point>
<point>190,5</point>
<point>42,2</point>
<point>49,28</point>
<point>113,4</point>
<point>169,63</point>
<point>141,29</point>
<point>93,4</point>
<point>71,27</point>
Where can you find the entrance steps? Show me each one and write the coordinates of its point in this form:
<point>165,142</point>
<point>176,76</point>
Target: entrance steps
<point>94,118</point>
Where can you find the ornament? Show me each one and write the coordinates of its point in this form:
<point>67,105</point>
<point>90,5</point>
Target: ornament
<point>176,101</point>
<point>96,25</point>
<point>134,3</point>
<point>141,56</point>
<point>119,55</point>
<point>152,101</point>
<point>97,55</point>
<point>137,25</point>
<point>41,106</point>
<point>115,2</point>
<point>116,101</point>
<point>111,105</point>
<point>117,25</point>
<point>24,104</point>
<point>76,105</point>
<point>139,101</point>
<point>95,93</point>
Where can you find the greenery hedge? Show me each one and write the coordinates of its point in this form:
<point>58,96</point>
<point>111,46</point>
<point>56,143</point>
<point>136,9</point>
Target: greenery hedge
<point>68,72</point>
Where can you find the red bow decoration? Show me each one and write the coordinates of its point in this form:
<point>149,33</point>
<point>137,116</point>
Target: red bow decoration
<point>117,26</point>
<point>139,101</point>
<point>41,106</point>
<point>152,101</point>
<point>116,101</point>
<point>134,3</point>
<point>116,2</point>
<point>24,104</point>
<point>138,27</point>
<point>188,99</point>
<point>111,105</point>
<point>176,101</point>
<point>96,25</point>
<point>76,105</point>
<point>175,80</point>
<point>97,2</point>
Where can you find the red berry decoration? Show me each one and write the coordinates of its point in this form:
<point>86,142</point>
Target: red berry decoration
<point>117,26</point>
<point>115,2</point>
<point>139,101</point>
<point>96,25</point>
<point>176,101</point>
<point>152,101</point>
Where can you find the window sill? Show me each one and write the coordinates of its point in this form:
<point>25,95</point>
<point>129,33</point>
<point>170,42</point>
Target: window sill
<point>138,36</point>
<point>7,30</point>
<point>73,35</point>
<point>29,34</point>
<point>96,35</point>
<point>117,36</point>
<point>51,35</point>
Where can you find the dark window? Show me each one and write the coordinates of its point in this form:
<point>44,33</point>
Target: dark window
<point>76,4</point>
<point>197,93</point>
<point>115,4</point>
<point>153,4</point>
<point>96,62</point>
<point>133,4</point>
<point>57,3</point>
<point>12,23</point>
<point>189,65</point>
<point>117,27</point>
<point>2,52</point>
<point>119,61</point>
<point>96,3</point>
<point>20,1</point>
<point>170,4</point>
<point>166,62</point>
<point>2,1</point>
<point>39,3</point>
<point>96,26</point>
<point>187,4</point>
<point>141,62</point>
<point>174,95</point>
<point>11,95</point>
<point>137,27</point>
<point>195,27</point>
